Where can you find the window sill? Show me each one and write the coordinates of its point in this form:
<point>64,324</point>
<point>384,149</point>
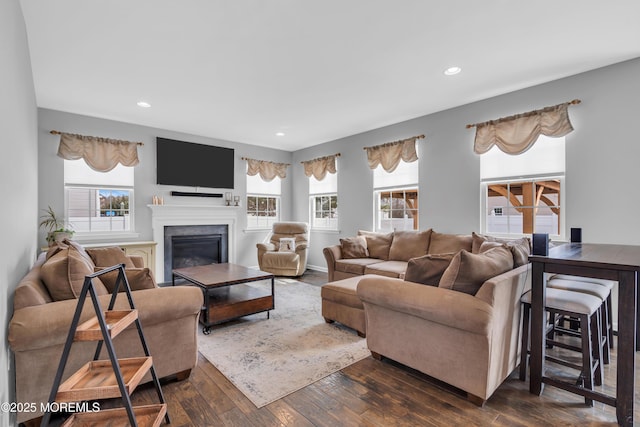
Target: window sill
<point>325,230</point>
<point>256,230</point>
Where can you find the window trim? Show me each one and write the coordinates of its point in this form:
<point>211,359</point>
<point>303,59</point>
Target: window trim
<point>376,204</point>
<point>562,218</point>
<point>277,197</point>
<point>86,236</point>
<point>312,211</point>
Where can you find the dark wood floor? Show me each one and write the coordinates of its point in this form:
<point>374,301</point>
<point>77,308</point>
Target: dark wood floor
<point>373,393</point>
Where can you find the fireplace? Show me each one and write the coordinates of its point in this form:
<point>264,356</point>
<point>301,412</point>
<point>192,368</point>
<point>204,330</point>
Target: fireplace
<point>169,215</point>
<point>191,245</point>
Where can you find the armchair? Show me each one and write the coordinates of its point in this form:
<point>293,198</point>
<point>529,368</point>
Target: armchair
<point>285,263</point>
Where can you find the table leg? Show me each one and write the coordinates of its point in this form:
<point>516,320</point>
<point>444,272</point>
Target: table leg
<point>627,287</point>
<point>538,327</point>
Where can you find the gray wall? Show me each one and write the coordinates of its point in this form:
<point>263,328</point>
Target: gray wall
<point>18,175</point>
<point>601,158</point>
<point>51,183</point>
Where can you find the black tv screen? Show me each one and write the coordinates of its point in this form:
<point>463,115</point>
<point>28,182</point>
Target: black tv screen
<point>193,165</point>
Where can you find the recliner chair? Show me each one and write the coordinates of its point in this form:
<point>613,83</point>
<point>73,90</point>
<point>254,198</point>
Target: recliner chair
<point>281,262</point>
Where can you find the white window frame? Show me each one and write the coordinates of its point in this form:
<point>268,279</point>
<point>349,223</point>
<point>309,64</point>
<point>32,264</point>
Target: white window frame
<point>380,217</point>
<point>327,187</point>
<point>271,191</point>
<point>408,181</point>
<point>545,160</point>
<point>99,181</point>
<point>484,210</point>
<point>331,221</point>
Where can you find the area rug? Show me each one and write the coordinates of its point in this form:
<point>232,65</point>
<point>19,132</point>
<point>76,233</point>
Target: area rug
<point>268,359</point>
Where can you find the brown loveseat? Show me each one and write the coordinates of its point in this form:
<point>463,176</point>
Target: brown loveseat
<point>457,320</point>
<point>39,327</point>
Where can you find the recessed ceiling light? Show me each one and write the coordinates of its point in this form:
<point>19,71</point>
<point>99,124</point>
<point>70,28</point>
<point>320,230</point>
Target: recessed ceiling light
<point>143,104</point>
<point>280,134</point>
<point>452,71</point>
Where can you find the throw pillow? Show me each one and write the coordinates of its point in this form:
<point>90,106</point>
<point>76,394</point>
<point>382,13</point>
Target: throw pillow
<point>63,274</point>
<point>444,243</point>
<point>287,244</point>
<point>409,244</point>
<point>427,269</point>
<point>467,271</point>
<point>112,255</point>
<point>520,248</point>
<point>378,244</point>
<point>354,247</point>
<point>138,278</point>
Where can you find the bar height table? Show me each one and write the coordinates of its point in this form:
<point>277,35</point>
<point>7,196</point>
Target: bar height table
<point>602,261</point>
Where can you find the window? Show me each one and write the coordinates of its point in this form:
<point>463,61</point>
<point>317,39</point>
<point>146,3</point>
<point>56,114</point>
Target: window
<point>523,194</point>
<point>98,202</point>
<point>323,202</point>
<point>263,202</point>
<point>396,197</point>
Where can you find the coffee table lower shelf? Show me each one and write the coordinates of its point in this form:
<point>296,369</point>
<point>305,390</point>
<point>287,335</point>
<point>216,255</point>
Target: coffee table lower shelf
<point>227,291</point>
<point>231,302</point>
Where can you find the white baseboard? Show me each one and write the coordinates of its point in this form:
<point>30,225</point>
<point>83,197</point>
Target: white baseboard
<point>317,268</point>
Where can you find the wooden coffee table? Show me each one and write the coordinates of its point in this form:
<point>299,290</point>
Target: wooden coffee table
<point>226,295</point>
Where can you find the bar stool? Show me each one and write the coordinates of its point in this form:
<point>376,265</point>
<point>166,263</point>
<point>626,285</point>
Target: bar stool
<point>589,288</point>
<point>608,284</point>
<point>578,305</point>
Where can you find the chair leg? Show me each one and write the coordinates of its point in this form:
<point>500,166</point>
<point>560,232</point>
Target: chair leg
<point>604,334</point>
<point>597,344</point>
<point>524,348</point>
<point>587,359</point>
<point>610,321</point>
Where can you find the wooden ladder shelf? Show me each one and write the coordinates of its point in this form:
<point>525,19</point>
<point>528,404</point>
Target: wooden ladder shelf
<point>109,378</point>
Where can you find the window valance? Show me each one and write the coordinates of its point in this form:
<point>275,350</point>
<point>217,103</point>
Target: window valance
<point>389,155</point>
<point>516,134</point>
<point>101,154</point>
<point>320,166</point>
<point>267,170</point>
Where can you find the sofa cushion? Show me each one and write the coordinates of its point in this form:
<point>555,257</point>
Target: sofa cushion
<point>378,244</point>
<point>63,274</point>
<point>428,269</point>
<point>467,271</point>
<point>409,244</point>
<point>444,243</point>
<point>354,247</point>
<point>138,278</point>
<point>356,265</point>
<point>112,255</point>
<point>520,248</point>
<point>387,268</point>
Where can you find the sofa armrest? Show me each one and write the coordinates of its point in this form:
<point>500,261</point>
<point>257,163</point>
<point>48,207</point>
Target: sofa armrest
<point>331,255</point>
<point>266,247</point>
<point>47,325</point>
<point>444,306</point>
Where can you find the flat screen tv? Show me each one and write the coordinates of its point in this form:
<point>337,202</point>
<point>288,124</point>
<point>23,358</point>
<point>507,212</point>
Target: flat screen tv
<point>193,165</point>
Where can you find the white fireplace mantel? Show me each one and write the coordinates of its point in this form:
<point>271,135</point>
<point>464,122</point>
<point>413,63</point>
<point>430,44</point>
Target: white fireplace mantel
<point>168,215</point>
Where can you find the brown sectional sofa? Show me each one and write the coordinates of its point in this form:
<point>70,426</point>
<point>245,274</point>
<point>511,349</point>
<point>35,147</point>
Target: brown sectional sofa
<point>389,253</point>
<point>39,327</point>
<point>462,330</point>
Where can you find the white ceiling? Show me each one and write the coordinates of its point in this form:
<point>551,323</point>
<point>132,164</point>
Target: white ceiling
<point>242,70</point>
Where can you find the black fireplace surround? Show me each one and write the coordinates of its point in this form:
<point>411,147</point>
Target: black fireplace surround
<point>191,245</point>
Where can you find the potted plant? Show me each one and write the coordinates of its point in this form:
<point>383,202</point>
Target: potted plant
<point>57,229</point>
